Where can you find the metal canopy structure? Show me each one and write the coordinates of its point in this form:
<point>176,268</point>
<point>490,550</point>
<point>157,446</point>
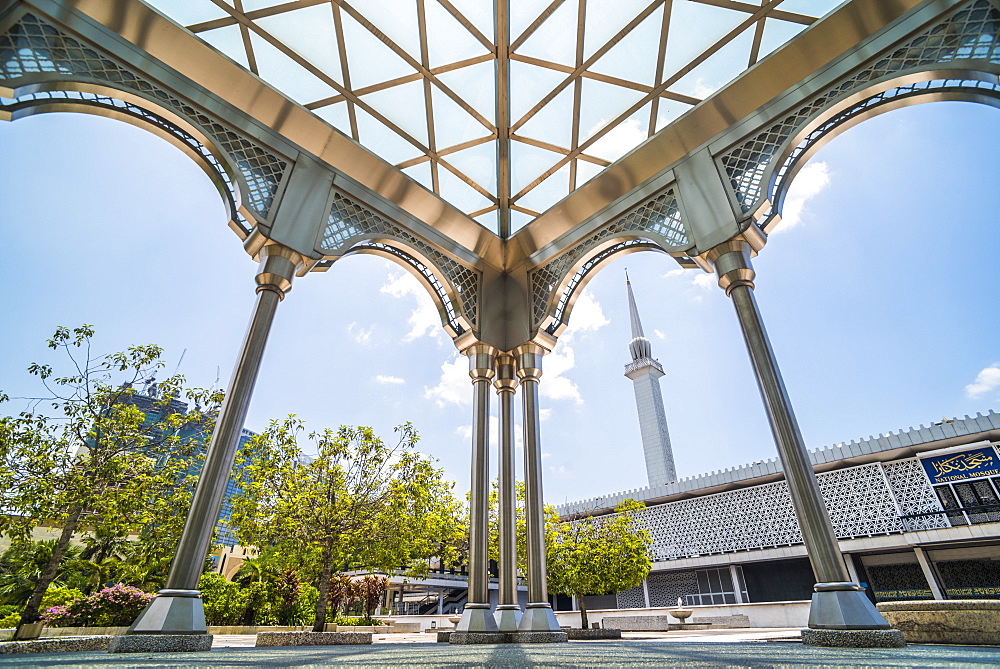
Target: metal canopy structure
<point>607,97</point>
<point>501,111</point>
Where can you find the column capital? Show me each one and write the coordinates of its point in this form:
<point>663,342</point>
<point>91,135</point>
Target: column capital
<point>731,261</point>
<point>482,361</point>
<point>529,360</point>
<point>278,266</point>
<point>506,365</point>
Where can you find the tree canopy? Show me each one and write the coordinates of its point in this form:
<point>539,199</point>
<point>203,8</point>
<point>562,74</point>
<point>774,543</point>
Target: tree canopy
<point>92,453</point>
<point>358,503</point>
<point>592,555</point>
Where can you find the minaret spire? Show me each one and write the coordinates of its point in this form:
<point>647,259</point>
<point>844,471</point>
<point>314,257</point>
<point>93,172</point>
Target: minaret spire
<point>633,311</point>
<point>645,373</point>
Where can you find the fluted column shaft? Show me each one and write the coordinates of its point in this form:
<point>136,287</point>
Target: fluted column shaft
<point>476,616</point>
<point>505,383</point>
<point>538,616</point>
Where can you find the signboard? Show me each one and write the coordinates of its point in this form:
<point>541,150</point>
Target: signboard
<point>960,466</point>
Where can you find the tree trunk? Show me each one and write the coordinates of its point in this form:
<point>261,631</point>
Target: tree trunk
<point>324,589</point>
<point>581,601</point>
<point>30,613</point>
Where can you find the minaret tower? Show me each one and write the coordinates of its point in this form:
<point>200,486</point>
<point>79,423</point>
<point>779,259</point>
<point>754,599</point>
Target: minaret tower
<point>645,373</point>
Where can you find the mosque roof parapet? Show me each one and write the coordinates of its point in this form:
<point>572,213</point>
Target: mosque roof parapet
<point>888,446</point>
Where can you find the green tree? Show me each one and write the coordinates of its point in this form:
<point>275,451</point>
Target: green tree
<point>592,555</point>
<point>102,461</point>
<point>551,519</point>
<point>358,504</point>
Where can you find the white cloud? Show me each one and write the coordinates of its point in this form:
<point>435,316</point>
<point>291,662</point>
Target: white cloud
<point>544,414</point>
<point>424,319</point>
<point>659,334</point>
<point>699,279</point>
<point>620,140</point>
<point>705,280</point>
<point>389,380</point>
<point>807,184</point>
<point>702,89</point>
<point>554,385</point>
<point>360,334</point>
<point>454,386</point>
<point>986,380</point>
<point>464,431</point>
<point>587,314</point>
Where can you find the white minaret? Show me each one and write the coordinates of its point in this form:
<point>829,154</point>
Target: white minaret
<point>645,374</point>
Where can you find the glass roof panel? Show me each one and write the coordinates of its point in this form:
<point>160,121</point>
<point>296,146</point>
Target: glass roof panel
<point>548,192</point>
<point>228,40</point>
<point>528,163</point>
<point>369,59</point>
<point>452,124</point>
<point>479,163</point>
<point>336,115</point>
<point>397,19</point>
<point>605,18</point>
<point>383,141</point>
<point>459,43</point>
<point>776,33</point>
<point>629,59</point>
<point>311,34</point>
<point>421,173</point>
<point>479,13</point>
<point>489,220</point>
<point>397,103</point>
<point>282,72</point>
<point>187,12</point>
<point>519,220</point>
<point>694,27</point>
<point>528,85</point>
<point>555,39</point>
<point>361,67</point>
<point>718,69</point>
<point>522,14</point>
<point>553,123</point>
<point>475,85</point>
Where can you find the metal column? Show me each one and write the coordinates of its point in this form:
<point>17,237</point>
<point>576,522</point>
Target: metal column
<point>837,603</point>
<point>508,613</point>
<point>538,615</point>
<point>177,608</point>
<point>476,617</point>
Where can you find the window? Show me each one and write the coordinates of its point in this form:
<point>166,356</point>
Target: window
<point>715,586</point>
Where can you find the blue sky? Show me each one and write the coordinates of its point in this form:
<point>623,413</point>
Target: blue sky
<point>879,300</point>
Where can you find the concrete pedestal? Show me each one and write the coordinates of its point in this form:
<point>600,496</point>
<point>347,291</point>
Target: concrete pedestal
<point>844,610</point>
<point>477,618</point>
<point>853,638</point>
<point>470,638</point>
<point>538,618</point>
<point>508,617</point>
<point>161,643</point>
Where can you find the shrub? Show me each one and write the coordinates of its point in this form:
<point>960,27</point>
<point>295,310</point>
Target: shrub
<point>357,621</point>
<point>116,606</point>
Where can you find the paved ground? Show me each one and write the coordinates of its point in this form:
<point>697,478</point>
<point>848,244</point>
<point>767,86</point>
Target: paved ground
<point>716,648</point>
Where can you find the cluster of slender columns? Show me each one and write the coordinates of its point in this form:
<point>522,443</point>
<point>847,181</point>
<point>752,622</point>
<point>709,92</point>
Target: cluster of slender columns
<point>522,368</point>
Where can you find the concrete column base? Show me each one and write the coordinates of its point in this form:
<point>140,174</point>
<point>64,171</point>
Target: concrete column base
<point>843,609</point>
<point>538,617</point>
<point>853,638</point>
<point>508,617</point>
<point>172,612</point>
<point>477,618</point>
<point>470,638</point>
<point>161,643</point>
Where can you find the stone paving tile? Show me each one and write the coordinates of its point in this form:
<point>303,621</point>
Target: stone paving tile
<point>639,653</point>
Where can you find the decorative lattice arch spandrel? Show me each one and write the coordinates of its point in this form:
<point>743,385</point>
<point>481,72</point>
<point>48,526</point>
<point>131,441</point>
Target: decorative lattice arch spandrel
<point>971,33</point>
<point>33,49</point>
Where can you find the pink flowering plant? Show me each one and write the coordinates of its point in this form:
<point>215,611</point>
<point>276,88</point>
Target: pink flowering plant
<point>116,606</point>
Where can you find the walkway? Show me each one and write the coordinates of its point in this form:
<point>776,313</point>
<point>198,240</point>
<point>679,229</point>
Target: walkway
<point>716,648</point>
